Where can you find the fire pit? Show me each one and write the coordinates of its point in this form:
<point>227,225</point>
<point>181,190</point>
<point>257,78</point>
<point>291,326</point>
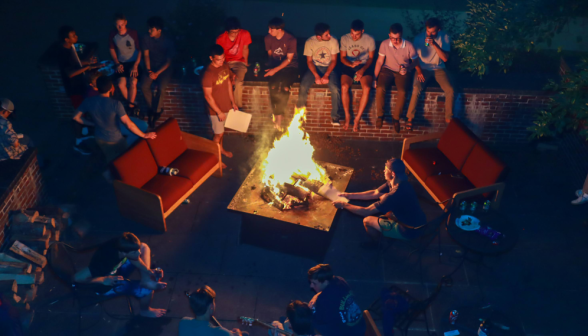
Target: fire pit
<point>279,200</point>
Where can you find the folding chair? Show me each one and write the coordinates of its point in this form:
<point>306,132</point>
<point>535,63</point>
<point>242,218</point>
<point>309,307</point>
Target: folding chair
<point>371,329</point>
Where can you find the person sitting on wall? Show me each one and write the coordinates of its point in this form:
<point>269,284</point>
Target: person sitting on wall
<point>111,266</point>
<point>397,199</point>
<point>298,322</point>
<point>13,144</point>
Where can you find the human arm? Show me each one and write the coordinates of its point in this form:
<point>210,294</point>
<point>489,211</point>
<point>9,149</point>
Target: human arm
<point>379,64</point>
<point>288,60</point>
<point>419,71</point>
<point>155,74</point>
<point>360,211</point>
<point>135,70</point>
<point>147,60</point>
<point>367,64</point>
<point>365,195</point>
<point>133,128</point>
<point>232,98</point>
<point>119,66</point>
<point>246,54</point>
<point>84,276</point>
<point>330,68</point>
<point>443,54</point>
<point>212,103</point>
<point>312,68</point>
<point>345,61</point>
<point>11,135</point>
<point>79,117</point>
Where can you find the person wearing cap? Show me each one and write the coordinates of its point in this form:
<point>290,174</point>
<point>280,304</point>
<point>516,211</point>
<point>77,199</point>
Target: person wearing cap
<point>397,200</point>
<point>13,144</point>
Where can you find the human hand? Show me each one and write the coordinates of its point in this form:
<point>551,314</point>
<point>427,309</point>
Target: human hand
<point>318,80</point>
<point>237,332</point>
<point>222,116</point>
<point>120,68</point>
<point>276,326</point>
<point>375,83</point>
<point>403,71</point>
<point>110,280</point>
<point>429,40</point>
<point>355,63</point>
<point>235,107</point>
<point>325,80</point>
<point>135,72</point>
<point>150,135</point>
<point>93,60</point>
<point>359,74</point>
<point>153,75</point>
<point>270,72</point>
<point>339,204</point>
<point>421,77</point>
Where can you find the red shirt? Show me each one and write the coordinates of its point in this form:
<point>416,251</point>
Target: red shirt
<point>234,49</point>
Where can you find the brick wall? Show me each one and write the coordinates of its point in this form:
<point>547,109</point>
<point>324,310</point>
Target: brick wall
<point>25,190</point>
<point>499,117</point>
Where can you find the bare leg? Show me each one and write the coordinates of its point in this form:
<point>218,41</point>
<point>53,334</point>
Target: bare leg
<point>372,227</point>
<point>366,83</point>
<point>218,138</point>
<point>133,91</point>
<point>122,86</point>
<point>145,302</point>
<point>345,85</point>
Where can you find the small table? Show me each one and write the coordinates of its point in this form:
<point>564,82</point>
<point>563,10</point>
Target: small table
<point>468,322</point>
<point>477,243</point>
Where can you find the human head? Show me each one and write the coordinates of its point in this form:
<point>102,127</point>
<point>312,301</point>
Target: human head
<point>67,34</point>
<point>276,25</point>
<point>217,55</point>
<point>300,316</point>
<point>155,25</point>
<point>120,22</point>
<point>202,301</point>
<point>232,27</point>
<point>322,31</point>
<point>432,27</point>
<point>396,34</point>
<point>356,30</point>
<point>6,107</point>
<point>93,77</point>
<point>319,277</point>
<point>128,244</point>
<point>104,85</point>
<point>395,169</point>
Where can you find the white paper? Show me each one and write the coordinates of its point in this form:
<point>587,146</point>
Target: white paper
<point>238,121</point>
<point>330,192</point>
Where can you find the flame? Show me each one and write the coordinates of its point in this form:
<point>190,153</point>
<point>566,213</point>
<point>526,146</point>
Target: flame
<point>292,153</point>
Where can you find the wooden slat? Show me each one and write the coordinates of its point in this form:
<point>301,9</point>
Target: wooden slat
<point>24,251</point>
<point>15,267</point>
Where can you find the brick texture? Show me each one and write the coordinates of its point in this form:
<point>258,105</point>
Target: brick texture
<point>497,117</point>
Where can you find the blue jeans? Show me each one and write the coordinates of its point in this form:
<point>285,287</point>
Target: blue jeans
<point>334,87</point>
<point>128,287</point>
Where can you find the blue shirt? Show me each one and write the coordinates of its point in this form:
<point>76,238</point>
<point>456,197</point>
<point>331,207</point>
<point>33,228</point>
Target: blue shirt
<point>105,113</point>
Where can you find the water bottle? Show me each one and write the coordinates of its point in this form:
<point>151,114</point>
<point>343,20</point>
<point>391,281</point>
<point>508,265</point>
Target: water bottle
<point>426,43</point>
<point>473,206</point>
<point>453,316</point>
<point>463,205</point>
<point>169,171</point>
<point>355,79</point>
<point>256,69</point>
<point>486,205</point>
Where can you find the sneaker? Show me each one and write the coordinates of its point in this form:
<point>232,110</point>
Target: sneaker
<point>581,200</point>
<point>80,150</point>
<point>579,193</point>
<point>335,122</point>
<point>396,126</point>
<point>379,123</point>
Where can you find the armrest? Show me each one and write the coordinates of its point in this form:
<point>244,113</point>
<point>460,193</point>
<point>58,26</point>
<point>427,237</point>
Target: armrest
<point>426,137</point>
<point>201,144</point>
<point>498,187</point>
<point>140,205</point>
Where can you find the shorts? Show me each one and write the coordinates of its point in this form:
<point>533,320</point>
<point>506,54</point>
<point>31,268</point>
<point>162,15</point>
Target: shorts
<point>218,127</point>
<point>112,150</point>
<point>349,71</point>
<point>390,228</point>
<point>128,66</point>
<point>128,287</point>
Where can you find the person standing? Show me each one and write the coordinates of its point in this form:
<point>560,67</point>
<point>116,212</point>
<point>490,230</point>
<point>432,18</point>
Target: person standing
<point>126,54</point>
<point>432,46</point>
<point>283,67</point>
<point>396,58</point>
<point>218,94</point>
<point>158,51</point>
<point>105,113</point>
<point>321,56</point>
<point>235,41</point>
<point>357,56</point>
<point>13,144</point>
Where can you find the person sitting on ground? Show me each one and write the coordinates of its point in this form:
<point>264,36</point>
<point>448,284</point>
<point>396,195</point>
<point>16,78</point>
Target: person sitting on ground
<point>202,303</point>
<point>112,264</point>
<point>357,57</point>
<point>126,54</point>
<point>158,52</point>
<point>397,199</point>
<point>218,94</point>
<point>334,310</point>
<point>298,322</point>
<point>582,194</point>
<point>432,46</point>
<point>105,112</point>
<point>321,56</point>
<point>235,41</point>
<point>13,144</point>
<point>283,67</point>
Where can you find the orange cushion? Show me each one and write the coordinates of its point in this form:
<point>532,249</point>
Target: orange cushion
<point>428,161</point>
<point>482,168</point>
<point>136,166</point>
<point>444,186</point>
<point>457,142</point>
<point>169,188</point>
<point>169,144</point>
<point>194,164</point>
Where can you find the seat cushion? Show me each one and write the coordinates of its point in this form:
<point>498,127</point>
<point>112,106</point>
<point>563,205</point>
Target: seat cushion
<point>483,168</point>
<point>194,164</point>
<point>137,165</point>
<point>428,161</point>
<point>169,144</point>
<point>444,186</point>
<point>169,188</point>
<point>457,142</point>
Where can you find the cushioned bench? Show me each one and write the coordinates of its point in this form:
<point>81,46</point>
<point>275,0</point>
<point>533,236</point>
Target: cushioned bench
<point>148,197</point>
<point>459,167</point>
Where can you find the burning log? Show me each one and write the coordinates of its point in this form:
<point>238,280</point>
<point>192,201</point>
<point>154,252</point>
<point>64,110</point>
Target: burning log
<point>272,199</point>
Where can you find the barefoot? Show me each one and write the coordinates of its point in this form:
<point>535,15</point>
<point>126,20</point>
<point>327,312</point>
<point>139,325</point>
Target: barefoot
<point>356,126</point>
<point>347,122</point>
<point>153,312</point>
<point>224,166</point>
<point>227,153</point>
<point>153,285</point>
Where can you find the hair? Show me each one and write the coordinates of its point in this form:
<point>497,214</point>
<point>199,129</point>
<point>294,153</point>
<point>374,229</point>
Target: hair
<point>321,28</point>
<point>155,22</point>
<point>216,50</point>
<point>357,25</point>
<point>104,84</point>
<point>232,23</point>
<point>433,22</point>
<point>128,242</point>
<point>276,23</point>
<point>396,28</point>
<point>320,272</point>
<point>120,16</point>
<point>300,316</point>
<point>64,32</point>
<point>201,299</point>
<point>94,76</point>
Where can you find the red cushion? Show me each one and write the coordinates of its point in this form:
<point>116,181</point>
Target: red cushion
<point>136,166</point>
<point>169,144</point>
<point>457,142</point>
<point>444,186</point>
<point>169,188</point>
<point>428,161</point>
<point>482,168</point>
<point>194,164</point>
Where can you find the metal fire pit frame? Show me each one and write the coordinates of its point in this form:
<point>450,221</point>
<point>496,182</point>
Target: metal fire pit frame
<point>305,232</point>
